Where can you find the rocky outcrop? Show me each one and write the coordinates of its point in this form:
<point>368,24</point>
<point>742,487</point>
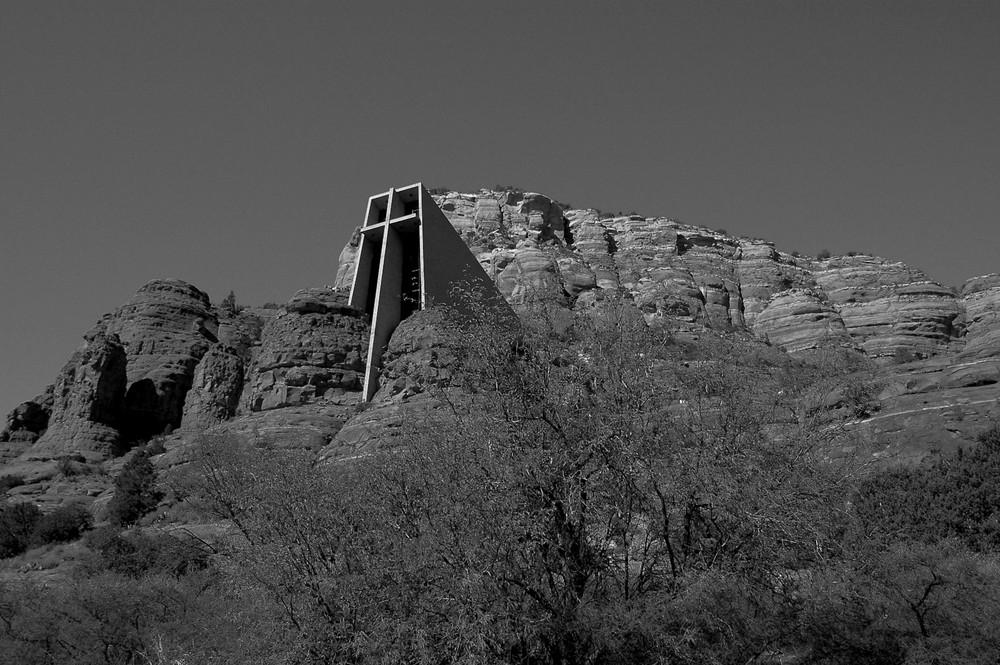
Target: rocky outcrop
<point>535,249</point>
<point>293,376</point>
<point>763,272</point>
<point>219,377</point>
<point>87,402</point>
<point>420,355</point>
<point>25,424</point>
<point>419,366</point>
<point>129,379</point>
<point>799,320</point>
<point>529,273</point>
<point>981,296</point>
<point>313,351</point>
<point>165,328</point>
<point>932,406</point>
<point>348,261</point>
<point>216,388</point>
<point>29,420</point>
<point>890,309</point>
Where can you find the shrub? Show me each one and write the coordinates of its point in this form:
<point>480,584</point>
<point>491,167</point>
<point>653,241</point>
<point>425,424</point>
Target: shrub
<point>956,497</point>
<point>10,482</point>
<point>228,306</point>
<point>17,522</point>
<point>556,512</point>
<point>508,188</point>
<point>823,255</point>
<point>68,465</point>
<point>61,525</point>
<point>135,554</point>
<point>135,491</point>
<point>156,446</point>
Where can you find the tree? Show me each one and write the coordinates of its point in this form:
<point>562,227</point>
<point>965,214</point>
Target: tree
<point>61,525</point>
<point>623,477</point>
<point>958,496</point>
<point>135,491</point>
<point>228,305</point>
<point>592,490</point>
<point>17,522</point>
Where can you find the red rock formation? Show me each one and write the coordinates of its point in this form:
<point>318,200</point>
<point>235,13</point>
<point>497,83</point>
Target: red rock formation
<point>165,328</point>
<point>799,320</point>
<point>693,274</point>
<point>216,388</point>
<point>28,420</point>
<point>87,402</point>
<point>981,296</point>
<point>420,355</point>
<point>348,258</point>
<point>219,377</point>
<point>314,351</point>
<point>889,308</point>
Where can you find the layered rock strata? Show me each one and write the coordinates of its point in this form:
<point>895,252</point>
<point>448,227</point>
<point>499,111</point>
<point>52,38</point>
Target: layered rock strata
<point>889,308</point>
<point>165,328</point>
<point>800,320</point>
<point>534,248</point>
<point>313,351</point>
<point>981,297</point>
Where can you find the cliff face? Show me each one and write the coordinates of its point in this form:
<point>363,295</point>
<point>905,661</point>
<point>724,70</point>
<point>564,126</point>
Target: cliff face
<point>534,248</point>
<point>88,400</point>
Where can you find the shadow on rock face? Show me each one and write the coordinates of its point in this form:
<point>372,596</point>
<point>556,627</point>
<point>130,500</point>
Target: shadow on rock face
<point>140,419</point>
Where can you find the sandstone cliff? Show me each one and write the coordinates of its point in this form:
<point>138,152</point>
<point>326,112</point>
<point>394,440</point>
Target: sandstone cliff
<point>534,247</point>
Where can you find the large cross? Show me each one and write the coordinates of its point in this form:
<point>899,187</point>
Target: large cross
<point>411,256</point>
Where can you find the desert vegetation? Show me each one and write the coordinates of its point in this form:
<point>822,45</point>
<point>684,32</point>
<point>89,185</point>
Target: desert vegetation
<point>588,489</point>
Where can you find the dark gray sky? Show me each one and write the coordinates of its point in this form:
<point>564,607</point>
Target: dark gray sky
<point>234,144</point>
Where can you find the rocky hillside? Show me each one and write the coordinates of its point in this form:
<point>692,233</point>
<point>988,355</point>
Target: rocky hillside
<point>938,349</point>
<point>169,362</point>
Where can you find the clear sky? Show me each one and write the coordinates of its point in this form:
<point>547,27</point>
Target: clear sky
<point>234,144</point>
